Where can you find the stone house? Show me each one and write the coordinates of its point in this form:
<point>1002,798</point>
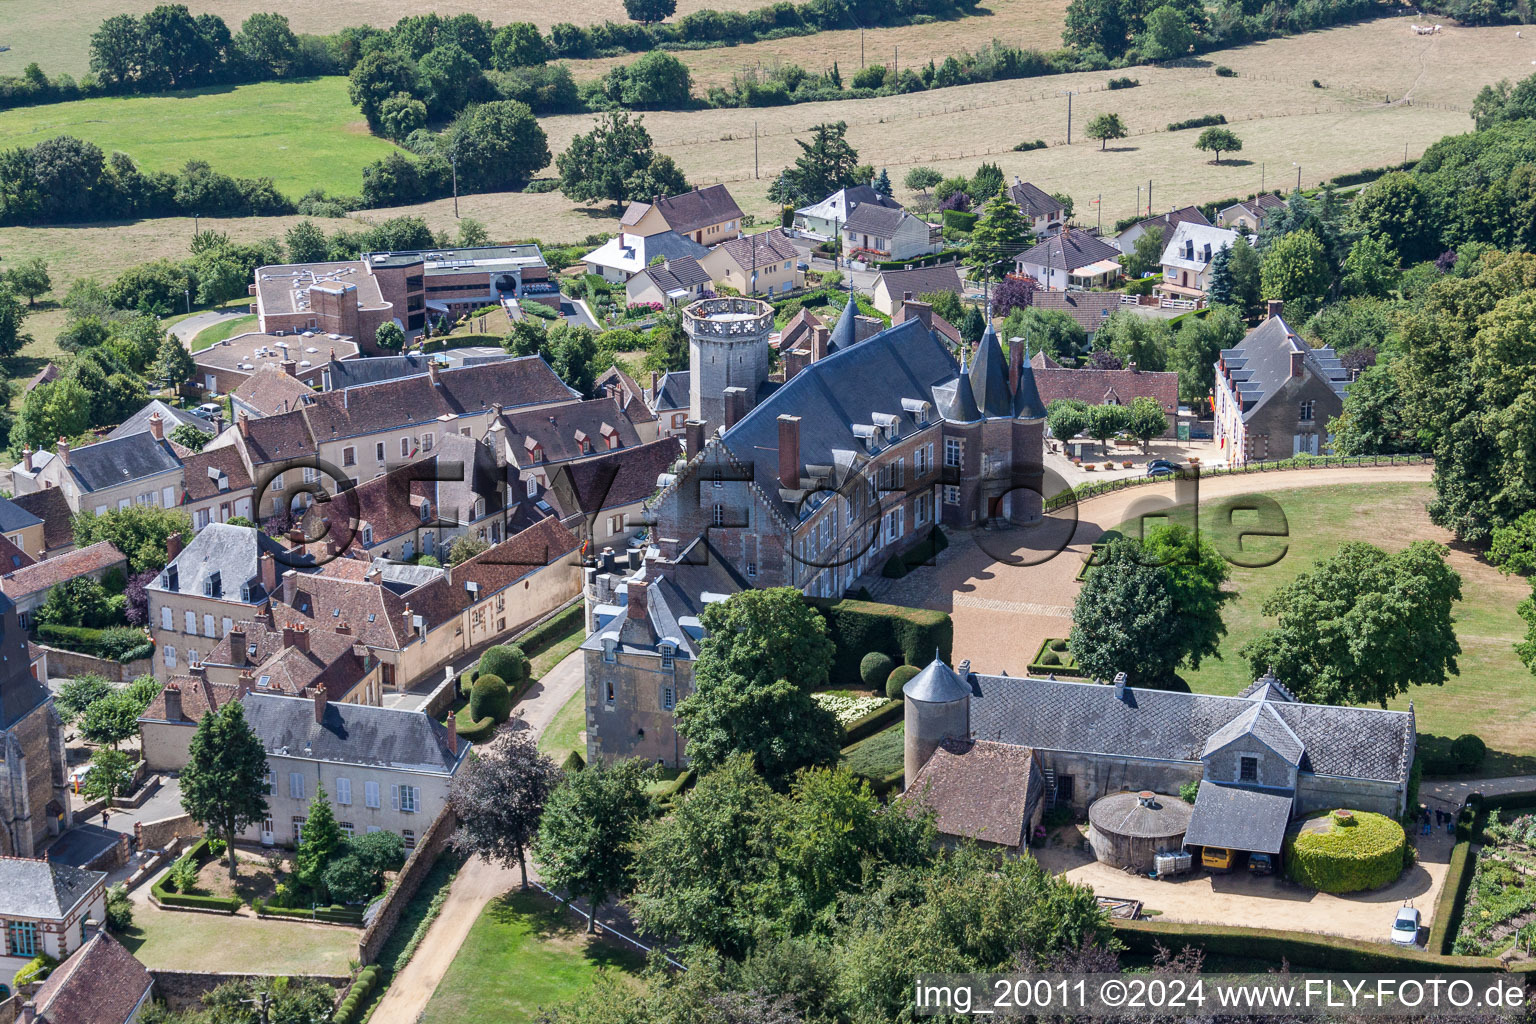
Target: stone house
<point>823,221</point>
<point>103,983</point>
<point>382,769</point>
<point>44,909</point>
<point>891,286</point>
<point>766,263</point>
<point>1260,757</point>
<point>609,492</point>
<point>875,232</point>
<point>234,364</point>
<point>168,723</point>
<point>50,506</point>
<point>1249,215</point>
<point>1107,387</point>
<point>707,215</point>
<point>138,469</point>
<point>26,588</point>
<point>671,398</point>
<point>1275,394</point>
<point>632,400</point>
<point>1187,257</point>
<point>534,443</point>
<point>1070,260</point>
<point>23,530</point>
<point>34,780</point>
<point>1043,211</point>
<point>216,486</point>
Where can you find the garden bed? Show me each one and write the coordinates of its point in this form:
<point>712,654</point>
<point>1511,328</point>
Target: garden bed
<point>1054,658</point>
<point>1501,900</point>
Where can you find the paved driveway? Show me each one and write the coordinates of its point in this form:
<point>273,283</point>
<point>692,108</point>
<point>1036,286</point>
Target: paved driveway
<point>185,330</point>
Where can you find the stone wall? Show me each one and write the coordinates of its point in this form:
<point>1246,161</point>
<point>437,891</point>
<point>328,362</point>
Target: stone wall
<point>156,835</point>
<point>182,990</point>
<point>1320,793</point>
<point>412,874</point>
<point>68,664</point>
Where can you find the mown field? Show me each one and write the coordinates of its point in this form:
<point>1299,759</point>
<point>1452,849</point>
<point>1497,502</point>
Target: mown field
<point>36,31</point>
<point>302,134</point>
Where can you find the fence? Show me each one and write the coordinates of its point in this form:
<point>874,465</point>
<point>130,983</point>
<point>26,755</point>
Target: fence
<point>1093,490</point>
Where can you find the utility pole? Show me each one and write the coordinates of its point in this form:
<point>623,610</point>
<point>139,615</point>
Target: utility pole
<point>896,62</point>
<point>453,161</point>
<point>754,150</point>
<point>1261,179</point>
<point>1099,202</point>
<point>1149,197</point>
<point>861,47</point>
<point>1069,94</point>
<point>1138,200</point>
<point>1298,177</point>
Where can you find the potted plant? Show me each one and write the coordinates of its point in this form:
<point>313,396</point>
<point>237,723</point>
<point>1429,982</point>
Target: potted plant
<point>1126,464</point>
<point>1090,466</point>
<point>1108,464</point>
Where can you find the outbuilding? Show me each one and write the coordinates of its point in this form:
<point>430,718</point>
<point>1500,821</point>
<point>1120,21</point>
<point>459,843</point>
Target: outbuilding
<point>1126,830</point>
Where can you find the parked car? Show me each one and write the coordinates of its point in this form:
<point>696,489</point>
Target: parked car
<point>208,410</point>
<point>1159,471</point>
<point>1217,859</point>
<point>1162,464</point>
<point>1261,864</point>
<point>1405,930</point>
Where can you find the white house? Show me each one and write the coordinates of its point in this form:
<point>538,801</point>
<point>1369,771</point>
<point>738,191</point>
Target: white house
<point>1044,211</point>
<point>626,254</point>
<point>874,232</point>
<point>1187,259</point>
<point>669,283</point>
<point>1072,260</point>
<point>824,220</point>
<point>46,907</point>
<point>1167,223</point>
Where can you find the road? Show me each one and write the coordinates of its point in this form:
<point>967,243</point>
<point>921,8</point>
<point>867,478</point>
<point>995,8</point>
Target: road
<point>185,330</point>
<point>479,881</point>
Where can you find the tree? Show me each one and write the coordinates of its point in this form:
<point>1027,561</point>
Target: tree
<point>1136,339</point>
<point>1296,270</point>
<point>1106,421</point>
<point>1146,255</point>
<point>472,233</point>
<point>1198,345</point>
<point>1103,25</point>
<point>450,77</point>
<point>1219,140</point>
<point>499,146</point>
<point>1370,268</point>
<point>1376,416</point>
<point>1363,626</point>
<point>267,41</point>
<point>586,839</point>
<point>921,179</point>
<point>765,652</point>
<point>223,786</point>
<point>117,51</point>
<point>112,718</point>
<point>1066,418</point>
<point>79,601</point>
<point>570,352</point>
<point>306,242</point>
<point>110,776</point>
<point>1168,36</point>
<point>998,238</point>
<point>1147,420</point>
<point>1513,549</point>
<point>518,45</point>
<point>1124,616</point>
<point>1396,210</point>
<point>826,163</point>
<point>883,183</point>
<point>188,436</point>
<point>946,304</point>
<point>601,164</point>
<point>1219,290</point>
<point>650,11</point>
<point>30,278</point>
<point>1106,127</point>
<point>320,840</point>
<point>973,326</point>
<point>389,336</point>
<point>380,75</point>
<point>173,363</point>
<point>1245,267</point>
<point>499,796</point>
<point>139,531</point>
<point>465,548</point>
<point>1046,330</point>
<point>12,315</point>
<point>79,693</point>
<point>987,181</point>
<point>1196,573</point>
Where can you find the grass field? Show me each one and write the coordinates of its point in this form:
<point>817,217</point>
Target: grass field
<point>1492,696</point>
<point>36,31</point>
<point>303,134</point>
<point>524,953</point>
<point>564,732</point>
<point>218,332</point>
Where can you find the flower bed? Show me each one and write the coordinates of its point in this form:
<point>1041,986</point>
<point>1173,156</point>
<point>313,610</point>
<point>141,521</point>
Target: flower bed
<point>849,707</point>
<point>1501,900</point>
<point>1054,658</point>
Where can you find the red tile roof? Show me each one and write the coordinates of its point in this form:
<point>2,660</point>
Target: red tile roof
<point>611,481</point>
<point>631,395</point>
<point>270,391</point>
<point>1099,386</point>
<point>496,568</point>
<point>376,615</point>
<point>100,984</point>
<point>198,697</point>
<point>44,575</point>
<point>12,557</point>
<point>278,438</point>
<point>558,432</point>
<point>50,505</point>
<point>201,471</point>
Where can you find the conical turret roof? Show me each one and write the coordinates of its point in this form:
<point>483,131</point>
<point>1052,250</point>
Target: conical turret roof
<point>845,331</point>
<point>1027,404</point>
<point>989,377</point>
<point>936,684</point>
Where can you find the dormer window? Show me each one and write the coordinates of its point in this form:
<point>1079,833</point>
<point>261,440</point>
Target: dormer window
<point>426,511</point>
<point>367,536</point>
<point>479,508</point>
<point>668,655</point>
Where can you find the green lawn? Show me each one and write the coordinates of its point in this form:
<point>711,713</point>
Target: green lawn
<point>1493,696</point>
<point>877,756</point>
<point>302,134</point>
<point>563,734</point>
<point>524,953</point>
<point>218,332</point>
<point>547,656</point>
<point>213,942</point>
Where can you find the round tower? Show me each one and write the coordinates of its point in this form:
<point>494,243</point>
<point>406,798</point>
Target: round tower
<point>938,708</point>
<point>727,348</point>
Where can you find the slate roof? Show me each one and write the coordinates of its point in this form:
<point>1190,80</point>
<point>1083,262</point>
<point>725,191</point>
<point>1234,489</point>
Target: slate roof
<point>1089,309</point>
<point>557,431</point>
<point>979,791</point>
<point>1201,236</point>
<point>936,684</point>
<point>616,479</point>
<point>1169,221</point>
<point>1267,687</point>
<point>676,275</point>
<point>672,392</point>
<point>673,605</point>
<point>52,507</point>
<point>269,391</point>
<point>760,249</point>
<point>1097,386</point>
<point>1033,200</point>
<point>920,281</point>
<point>1261,722</point>
<point>872,219</point>
<point>42,889</point>
<point>102,983</point>
<point>120,460</point>
<point>347,373</point>
<point>689,211</point>
<point>20,693</point>
<point>1260,366</point>
<point>231,552</point>
<point>44,575</point>
<point>1239,818</point>
<point>836,205</point>
<point>205,471</point>
<point>170,416</point>
<point>352,734</point>
<point>1068,251</point>
<point>15,517</point>
<point>1045,714</point>
<point>989,376</point>
<point>632,253</point>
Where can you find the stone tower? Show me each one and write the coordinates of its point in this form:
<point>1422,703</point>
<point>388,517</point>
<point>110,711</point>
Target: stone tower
<point>938,709</point>
<point>727,349</point>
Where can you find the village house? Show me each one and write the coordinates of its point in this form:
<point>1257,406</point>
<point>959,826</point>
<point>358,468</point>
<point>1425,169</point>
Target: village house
<point>255,656</point>
<point>892,285</point>
<point>823,221</point>
<point>1250,215</point>
<point>609,492</point>
<point>631,399</point>
<point>1166,223</point>
<point>170,418</point>
<point>879,233</point>
<point>216,486</point>
<point>668,283</point>
<point>382,769</point>
<point>167,725</point>
<point>139,469</point>
<point>271,391</point>
<point>351,373</point>
<point>103,983</point>
<point>1070,261</point>
<point>1260,757</point>
<point>1187,260</point>
<point>707,215</point>
<point>34,780</point>
<point>533,443</point>
<point>24,530</point>
<point>1275,394</point>
<point>46,908</point>
<point>629,253</point>
<point>766,263</point>
<point>1044,213</point>
<point>49,505</point>
<point>26,588</point>
<point>670,400</point>
<point>226,365</point>
<point>1107,387</point>
<point>1088,310</point>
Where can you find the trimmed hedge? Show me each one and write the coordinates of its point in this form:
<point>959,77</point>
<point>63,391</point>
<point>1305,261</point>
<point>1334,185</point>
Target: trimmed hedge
<point>448,341</point>
<point>1360,852</point>
<point>573,762</point>
<point>875,668</point>
<point>900,676</point>
<point>1299,949</point>
<point>906,635</point>
<point>1453,895</point>
<point>490,697</point>
<point>1197,122</point>
<point>357,996</point>
<point>875,721</point>
<point>551,631</point>
<point>959,220</point>
<point>115,643</point>
<point>198,854</point>
<point>483,729</point>
<point>506,661</point>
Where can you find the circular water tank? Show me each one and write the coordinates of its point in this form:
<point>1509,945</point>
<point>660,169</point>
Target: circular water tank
<point>1126,830</point>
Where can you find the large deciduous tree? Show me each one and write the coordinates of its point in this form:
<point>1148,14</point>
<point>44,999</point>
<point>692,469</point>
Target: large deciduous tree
<point>498,146</point>
<point>586,840</point>
<point>223,785</point>
<point>1104,127</point>
<point>1218,140</point>
<point>499,796</point>
<point>1363,626</point>
<point>1198,345</point>
<point>616,162</point>
<point>1295,268</point>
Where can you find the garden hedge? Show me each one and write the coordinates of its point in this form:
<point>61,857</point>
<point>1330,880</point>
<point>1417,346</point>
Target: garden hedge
<point>1352,854</point>
<point>482,730</point>
<point>900,676</point>
<point>116,643</point>
<point>909,635</point>
<point>875,668</point>
<point>506,661</point>
<point>490,697</point>
<point>448,341</point>
<point>357,996</point>
<point>875,721</point>
<point>1299,949</point>
<point>1453,895</point>
<point>551,630</point>
<point>573,762</point>
<point>959,220</point>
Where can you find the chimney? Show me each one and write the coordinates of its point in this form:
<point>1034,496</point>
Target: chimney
<point>639,591</point>
<point>655,382</point>
<point>795,360</point>
<point>173,545</point>
<point>267,567</point>
<point>453,734</point>
<point>735,406</point>
<point>789,452</point>
<point>911,309</point>
<point>320,702</point>
<point>1296,357</point>
<point>693,437</point>
<point>906,296</point>
<point>64,451</point>
<point>246,684</point>
<point>290,584</point>
<point>157,426</point>
<point>1133,367</point>
<point>244,423</point>
<point>432,371</point>
<point>237,645</point>
<point>296,636</point>
<point>1120,685</point>
<point>1015,363</point>
<point>1275,306</point>
<point>343,629</point>
<point>26,459</point>
<point>819,338</point>
<point>290,367</point>
<point>172,702</point>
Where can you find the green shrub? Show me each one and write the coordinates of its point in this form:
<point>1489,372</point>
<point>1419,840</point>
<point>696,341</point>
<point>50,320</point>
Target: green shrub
<point>573,762</point>
<point>899,677</point>
<point>875,668</point>
<point>36,969</point>
<point>1189,791</point>
<point>479,731</point>
<point>959,220</point>
<point>119,908</point>
<point>1299,949</point>
<point>1026,146</point>
<point>1222,71</point>
<point>1351,852</point>
<point>1469,751</point>
<point>1123,83</point>
<point>908,635</point>
<point>490,698</point>
<point>1059,645</point>
<point>1198,122</point>
<point>552,630</point>
<point>506,661</point>
<point>1050,658</point>
<point>877,720</point>
<point>895,568</point>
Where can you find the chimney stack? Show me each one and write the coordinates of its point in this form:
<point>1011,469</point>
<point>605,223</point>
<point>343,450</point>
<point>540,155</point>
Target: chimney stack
<point>156,426</point>
<point>290,367</point>
<point>453,734</point>
<point>795,360</point>
<point>655,381</point>
<point>1296,357</point>
<point>173,545</point>
<point>343,629</point>
<point>64,450</point>
<point>296,636</point>
<point>236,636</point>
<point>26,459</point>
<point>789,452</point>
<point>246,684</point>
<point>267,567</point>
<point>1120,682</point>
<point>1015,363</point>
<point>1275,306</point>
<point>172,702</point>
<point>735,406</point>
<point>244,423</point>
<point>290,585</point>
<point>320,702</point>
<point>639,591</point>
<point>693,437</point>
<point>432,371</point>
<point>819,337</point>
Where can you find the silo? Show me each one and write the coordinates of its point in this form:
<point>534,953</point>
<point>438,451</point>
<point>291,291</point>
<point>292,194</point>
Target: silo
<point>1126,830</point>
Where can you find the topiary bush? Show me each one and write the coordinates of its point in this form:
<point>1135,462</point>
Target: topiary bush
<point>506,661</point>
<point>1346,851</point>
<point>895,568</point>
<point>875,668</point>
<point>899,677</point>
<point>909,635</point>
<point>490,698</point>
<point>1469,752</point>
<point>573,762</point>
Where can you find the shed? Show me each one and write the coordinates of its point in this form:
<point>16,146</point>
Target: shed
<point>1126,830</point>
